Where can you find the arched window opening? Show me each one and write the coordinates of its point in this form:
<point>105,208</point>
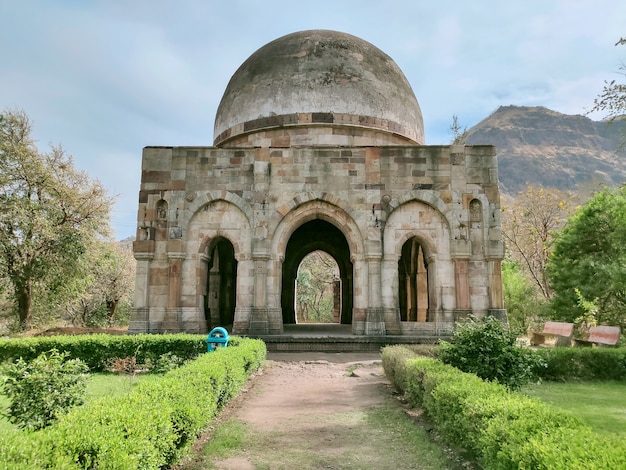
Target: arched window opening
<point>318,289</point>
<point>221,294</point>
<point>413,282</point>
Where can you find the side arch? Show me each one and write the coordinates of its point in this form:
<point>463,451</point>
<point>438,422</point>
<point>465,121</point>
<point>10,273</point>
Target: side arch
<point>218,261</point>
<point>423,222</point>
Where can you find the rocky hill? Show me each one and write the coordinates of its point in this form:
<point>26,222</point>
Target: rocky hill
<point>542,147</point>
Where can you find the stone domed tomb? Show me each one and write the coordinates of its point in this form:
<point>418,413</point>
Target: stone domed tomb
<point>318,145</point>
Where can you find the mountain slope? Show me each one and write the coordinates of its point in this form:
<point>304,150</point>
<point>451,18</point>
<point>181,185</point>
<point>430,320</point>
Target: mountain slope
<point>542,147</point>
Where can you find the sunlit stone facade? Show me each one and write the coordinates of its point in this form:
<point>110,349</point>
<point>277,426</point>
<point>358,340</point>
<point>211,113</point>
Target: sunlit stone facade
<point>319,145</point>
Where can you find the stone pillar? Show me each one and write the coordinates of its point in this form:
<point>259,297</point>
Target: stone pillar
<point>336,300</point>
<point>375,321</point>
<point>359,307</point>
<point>202,300</point>
<point>140,317</point>
<point>496,297</point>
<point>403,295</point>
<point>261,322</point>
<point>174,275</point>
<point>421,284</point>
<point>173,313</point>
<point>260,281</point>
<point>461,281</point>
<point>412,288</point>
<point>245,296</point>
<point>433,291</point>
<point>392,295</point>
<point>495,284</point>
<point>142,276</point>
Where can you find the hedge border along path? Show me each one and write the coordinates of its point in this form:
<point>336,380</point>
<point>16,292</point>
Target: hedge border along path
<point>501,429</point>
<point>149,428</point>
<point>99,349</point>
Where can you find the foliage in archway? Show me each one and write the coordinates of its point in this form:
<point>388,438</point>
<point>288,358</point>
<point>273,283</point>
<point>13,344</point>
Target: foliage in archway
<point>317,275</point>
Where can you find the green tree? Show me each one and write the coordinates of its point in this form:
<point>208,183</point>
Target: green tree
<point>589,260</point>
<point>50,211</point>
<point>522,300</point>
<point>105,282</point>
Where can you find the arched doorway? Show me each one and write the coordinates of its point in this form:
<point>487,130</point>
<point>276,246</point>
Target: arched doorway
<point>221,288</point>
<point>310,237</point>
<point>413,283</point>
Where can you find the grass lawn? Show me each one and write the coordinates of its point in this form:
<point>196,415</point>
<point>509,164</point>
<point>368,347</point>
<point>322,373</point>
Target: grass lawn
<point>602,405</point>
<point>98,385</point>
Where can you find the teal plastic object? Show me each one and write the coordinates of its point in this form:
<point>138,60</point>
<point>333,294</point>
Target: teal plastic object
<point>218,338</point>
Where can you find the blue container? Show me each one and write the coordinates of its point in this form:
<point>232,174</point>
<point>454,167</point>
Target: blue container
<point>218,338</point>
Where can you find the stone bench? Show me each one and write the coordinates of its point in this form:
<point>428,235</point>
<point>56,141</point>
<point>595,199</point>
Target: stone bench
<point>601,336</point>
<point>562,331</point>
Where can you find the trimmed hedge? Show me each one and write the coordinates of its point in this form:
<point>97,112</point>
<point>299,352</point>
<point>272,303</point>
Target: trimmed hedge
<point>500,428</point>
<point>147,429</point>
<point>563,364</point>
<point>99,349</point>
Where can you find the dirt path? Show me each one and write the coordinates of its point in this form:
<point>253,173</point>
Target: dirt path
<point>323,410</point>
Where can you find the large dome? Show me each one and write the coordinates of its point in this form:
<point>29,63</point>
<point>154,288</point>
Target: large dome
<point>322,78</point>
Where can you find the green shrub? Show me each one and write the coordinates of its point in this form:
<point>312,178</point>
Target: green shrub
<point>569,449</point>
<point>147,429</point>
<point>500,428</point>
<point>488,349</point>
<point>99,350</point>
<point>164,363</point>
<point>517,419</point>
<point>27,451</point>
<point>564,364</point>
<point>394,359</point>
<point>43,389</point>
<point>422,376</point>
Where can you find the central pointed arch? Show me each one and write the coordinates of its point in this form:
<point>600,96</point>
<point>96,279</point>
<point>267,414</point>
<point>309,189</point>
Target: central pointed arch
<point>311,236</point>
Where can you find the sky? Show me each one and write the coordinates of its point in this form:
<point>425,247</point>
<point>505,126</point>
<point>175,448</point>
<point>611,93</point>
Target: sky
<point>105,78</point>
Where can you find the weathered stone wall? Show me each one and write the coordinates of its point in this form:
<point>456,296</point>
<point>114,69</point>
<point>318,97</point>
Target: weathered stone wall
<point>377,196</point>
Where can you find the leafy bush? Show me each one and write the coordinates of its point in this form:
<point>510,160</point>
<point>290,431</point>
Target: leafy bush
<point>43,389</point>
<point>488,349</point>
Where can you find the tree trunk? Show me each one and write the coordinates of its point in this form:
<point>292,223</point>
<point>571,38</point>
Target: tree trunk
<point>24,304</point>
<point>111,307</point>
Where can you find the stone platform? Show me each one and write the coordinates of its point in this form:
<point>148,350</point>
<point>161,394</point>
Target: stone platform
<point>323,337</point>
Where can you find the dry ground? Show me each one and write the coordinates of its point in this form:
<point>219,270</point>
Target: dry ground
<point>322,410</point>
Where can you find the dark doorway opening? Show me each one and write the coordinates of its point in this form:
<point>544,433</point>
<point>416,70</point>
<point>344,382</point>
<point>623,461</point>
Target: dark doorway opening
<point>316,235</point>
<point>219,302</point>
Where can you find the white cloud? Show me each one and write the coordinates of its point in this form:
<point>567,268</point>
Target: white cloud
<point>107,78</point>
